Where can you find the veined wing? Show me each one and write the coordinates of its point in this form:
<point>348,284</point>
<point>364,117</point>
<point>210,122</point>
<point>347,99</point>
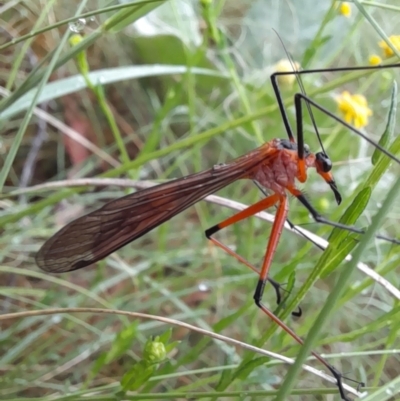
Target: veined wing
<point>94,236</point>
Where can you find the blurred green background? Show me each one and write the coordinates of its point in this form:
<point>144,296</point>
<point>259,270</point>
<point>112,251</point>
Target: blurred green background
<point>187,84</point>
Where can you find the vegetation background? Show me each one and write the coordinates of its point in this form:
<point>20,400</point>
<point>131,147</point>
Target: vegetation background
<point>186,84</point>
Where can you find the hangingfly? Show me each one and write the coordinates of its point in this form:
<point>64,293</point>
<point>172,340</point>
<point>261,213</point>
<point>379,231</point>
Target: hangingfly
<point>276,165</point>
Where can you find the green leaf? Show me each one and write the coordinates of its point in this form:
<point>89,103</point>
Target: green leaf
<point>351,215</point>
<point>227,321</point>
<point>127,16</point>
<point>336,292</point>
<point>138,375</point>
<point>287,291</point>
<point>383,322</point>
<point>243,372</point>
<point>291,281</point>
<point>386,392</point>
<point>342,242</point>
<point>98,364</point>
<point>224,381</point>
<point>169,347</point>
<point>165,337</point>
<point>122,343</point>
<point>389,130</point>
<point>334,256</point>
<point>66,86</point>
<point>383,163</point>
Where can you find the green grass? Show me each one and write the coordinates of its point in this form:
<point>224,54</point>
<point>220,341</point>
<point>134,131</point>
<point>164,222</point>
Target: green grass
<point>169,104</point>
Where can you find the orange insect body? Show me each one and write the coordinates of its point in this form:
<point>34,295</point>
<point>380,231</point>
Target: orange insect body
<point>280,169</point>
<point>275,165</point>
<point>94,236</point>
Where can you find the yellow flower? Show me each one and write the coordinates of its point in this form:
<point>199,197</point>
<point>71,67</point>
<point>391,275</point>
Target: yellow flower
<point>345,9</point>
<point>286,66</point>
<point>394,40</point>
<point>374,60</point>
<point>354,109</point>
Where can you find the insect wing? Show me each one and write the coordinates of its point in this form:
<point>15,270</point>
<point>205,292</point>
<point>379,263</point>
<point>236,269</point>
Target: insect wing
<point>103,231</point>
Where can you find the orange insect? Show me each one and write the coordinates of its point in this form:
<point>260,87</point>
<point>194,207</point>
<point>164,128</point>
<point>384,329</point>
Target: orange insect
<point>276,165</point>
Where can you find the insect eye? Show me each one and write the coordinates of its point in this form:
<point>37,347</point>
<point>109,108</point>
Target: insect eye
<point>323,161</point>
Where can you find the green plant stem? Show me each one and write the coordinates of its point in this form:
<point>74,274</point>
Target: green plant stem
<point>112,123</point>
<point>28,115</point>
<point>334,296</point>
